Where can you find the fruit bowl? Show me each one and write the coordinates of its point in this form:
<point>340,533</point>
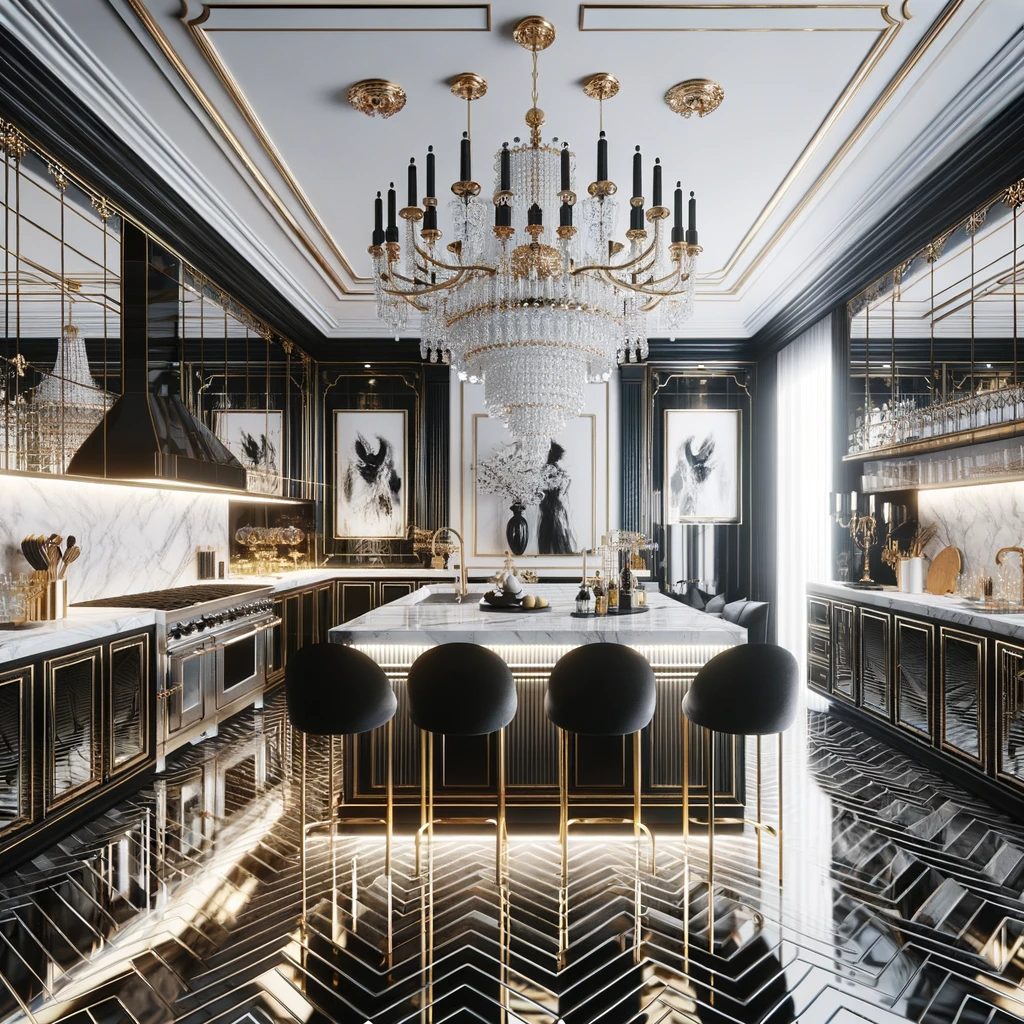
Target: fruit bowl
<point>496,600</point>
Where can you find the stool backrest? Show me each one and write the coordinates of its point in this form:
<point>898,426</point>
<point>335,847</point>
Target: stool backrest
<point>333,690</point>
<point>748,690</point>
<point>752,616</point>
<point>461,690</point>
<point>601,690</point>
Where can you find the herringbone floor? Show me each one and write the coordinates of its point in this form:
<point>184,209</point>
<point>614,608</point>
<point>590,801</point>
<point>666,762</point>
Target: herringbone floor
<point>903,899</point>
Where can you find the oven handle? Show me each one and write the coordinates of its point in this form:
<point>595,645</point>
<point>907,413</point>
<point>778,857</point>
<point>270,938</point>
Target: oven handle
<point>198,652</point>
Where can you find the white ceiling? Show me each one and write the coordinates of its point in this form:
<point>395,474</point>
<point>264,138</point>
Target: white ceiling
<point>832,112</point>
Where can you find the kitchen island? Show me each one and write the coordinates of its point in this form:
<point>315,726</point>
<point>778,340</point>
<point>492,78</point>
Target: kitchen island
<point>675,638</point>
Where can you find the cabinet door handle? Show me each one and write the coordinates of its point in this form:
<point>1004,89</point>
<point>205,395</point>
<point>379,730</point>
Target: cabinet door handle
<point>164,694</point>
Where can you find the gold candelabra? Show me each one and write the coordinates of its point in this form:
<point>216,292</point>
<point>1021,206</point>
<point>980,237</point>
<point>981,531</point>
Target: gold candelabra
<point>864,531</point>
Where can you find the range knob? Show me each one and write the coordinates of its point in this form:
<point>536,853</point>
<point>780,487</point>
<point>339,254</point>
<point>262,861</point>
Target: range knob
<point>186,628</point>
<point>175,633</point>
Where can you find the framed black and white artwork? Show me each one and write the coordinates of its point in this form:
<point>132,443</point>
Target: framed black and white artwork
<point>560,508</point>
<point>256,438</point>
<point>702,466</point>
<point>371,479</point>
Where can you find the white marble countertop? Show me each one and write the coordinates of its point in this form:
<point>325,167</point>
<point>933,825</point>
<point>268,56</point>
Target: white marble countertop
<point>410,620</point>
<point>80,627</point>
<point>943,609</point>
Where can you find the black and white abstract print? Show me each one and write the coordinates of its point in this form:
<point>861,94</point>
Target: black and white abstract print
<point>702,465</point>
<point>370,491</point>
<point>255,438</point>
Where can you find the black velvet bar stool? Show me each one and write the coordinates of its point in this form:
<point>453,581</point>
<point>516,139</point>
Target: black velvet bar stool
<point>332,691</point>
<point>460,690</point>
<point>747,690</point>
<point>600,690</point>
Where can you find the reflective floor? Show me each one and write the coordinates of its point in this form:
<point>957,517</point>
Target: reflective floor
<point>902,900</point>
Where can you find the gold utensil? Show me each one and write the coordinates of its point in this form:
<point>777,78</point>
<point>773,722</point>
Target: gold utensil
<point>70,555</point>
<point>52,560</point>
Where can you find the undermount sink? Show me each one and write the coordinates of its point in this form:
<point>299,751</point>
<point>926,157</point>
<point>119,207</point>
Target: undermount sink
<point>449,598</point>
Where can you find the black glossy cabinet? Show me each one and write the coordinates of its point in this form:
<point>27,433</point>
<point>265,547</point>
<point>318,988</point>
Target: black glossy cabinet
<point>1010,712</point>
<point>915,642</point>
<point>961,693</point>
<point>844,651</point>
<point>873,662</point>
<point>75,724</point>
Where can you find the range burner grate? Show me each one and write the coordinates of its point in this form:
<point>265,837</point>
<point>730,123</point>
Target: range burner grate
<point>174,598</point>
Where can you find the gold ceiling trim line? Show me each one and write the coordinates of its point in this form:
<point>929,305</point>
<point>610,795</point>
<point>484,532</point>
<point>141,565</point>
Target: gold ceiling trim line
<point>734,7</point>
<point>157,34</point>
<point>923,45</point>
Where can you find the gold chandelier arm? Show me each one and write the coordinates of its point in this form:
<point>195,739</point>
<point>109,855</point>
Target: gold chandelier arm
<point>644,289</point>
<point>442,286</point>
<point>647,307</point>
<point>455,268</point>
<point>621,266</point>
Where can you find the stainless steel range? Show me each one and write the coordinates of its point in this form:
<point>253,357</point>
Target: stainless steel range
<point>211,654</point>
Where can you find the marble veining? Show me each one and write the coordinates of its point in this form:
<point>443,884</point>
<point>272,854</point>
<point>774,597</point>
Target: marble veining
<point>977,520</point>
<point>82,626</point>
<point>410,620</point>
<point>132,538</point>
<point>947,609</point>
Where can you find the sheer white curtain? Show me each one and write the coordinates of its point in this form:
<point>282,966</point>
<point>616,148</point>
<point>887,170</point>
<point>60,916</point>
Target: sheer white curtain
<point>804,438</point>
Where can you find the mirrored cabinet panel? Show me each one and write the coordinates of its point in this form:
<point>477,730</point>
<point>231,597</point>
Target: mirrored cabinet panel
<point>16,696</point>
<point>874,662</point>
<point>961,689</point>
<point>913,675</point>
<point>128,701</point>
<point>71,734</point>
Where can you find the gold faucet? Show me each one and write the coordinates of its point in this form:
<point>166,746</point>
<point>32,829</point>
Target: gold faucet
<point>1020,553</point>
<point>461,584</point>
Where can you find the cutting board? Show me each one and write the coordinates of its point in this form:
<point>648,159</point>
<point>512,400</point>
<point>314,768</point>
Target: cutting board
<point>944,570</point>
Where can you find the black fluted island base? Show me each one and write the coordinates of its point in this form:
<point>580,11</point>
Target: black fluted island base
<point>675,639</point>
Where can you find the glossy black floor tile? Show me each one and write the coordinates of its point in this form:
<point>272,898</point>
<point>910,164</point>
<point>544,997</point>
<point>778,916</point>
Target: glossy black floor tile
<point>902,900</point>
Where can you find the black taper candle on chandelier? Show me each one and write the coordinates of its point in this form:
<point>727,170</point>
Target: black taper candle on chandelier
<point>413,201</point>
<point>678,235</point>
<point>430,209</point>
<point>565,186</point>
<point>391,235</point>
<point>602,157</point>
<point>656,189</point>
<point>502,211</point>
<point>506,168</point>
<point>636,212</point>
<point>691,230</point>
<point>378,220</point>
<point>465,159</point>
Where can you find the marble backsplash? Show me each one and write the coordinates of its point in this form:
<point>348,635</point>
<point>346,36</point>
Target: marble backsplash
<point>978,520</point>
<point>132,538</point>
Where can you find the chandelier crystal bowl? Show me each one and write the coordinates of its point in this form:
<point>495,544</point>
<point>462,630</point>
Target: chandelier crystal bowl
<point>534,296</point>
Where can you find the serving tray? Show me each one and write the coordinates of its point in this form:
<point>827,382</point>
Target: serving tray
<point>611,611</point>
<point>485,607</point>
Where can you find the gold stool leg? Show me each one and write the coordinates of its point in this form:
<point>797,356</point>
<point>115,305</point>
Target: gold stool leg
<point>709,734</point>
<point>423,798</point>
<point>759,819</point>
<point>685,726</point>
<point>389,827</point>
<point>563,801</point>
<point>780,809</point>
<point>499,860</point>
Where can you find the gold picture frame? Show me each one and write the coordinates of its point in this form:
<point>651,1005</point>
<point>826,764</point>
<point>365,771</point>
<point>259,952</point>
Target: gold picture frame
<point>726,505</point>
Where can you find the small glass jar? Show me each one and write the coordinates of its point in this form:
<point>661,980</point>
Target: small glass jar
<point>583,600</point>
<point>639,594</point>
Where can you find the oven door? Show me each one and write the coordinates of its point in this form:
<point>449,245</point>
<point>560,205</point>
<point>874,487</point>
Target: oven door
<point>189,676</point>
<point>241,662</point>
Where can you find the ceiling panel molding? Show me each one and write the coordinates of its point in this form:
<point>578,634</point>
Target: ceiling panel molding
<point>286,17</point>
<point>770,17</point>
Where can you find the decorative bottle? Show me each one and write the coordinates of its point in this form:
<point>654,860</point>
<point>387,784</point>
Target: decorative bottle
<point>600,596</point>
<point>626,592</point>
<point>583,599</point>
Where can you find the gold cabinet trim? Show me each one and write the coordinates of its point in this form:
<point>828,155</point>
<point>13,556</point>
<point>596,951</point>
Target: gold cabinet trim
<point>139,640</point>
<point>928,628</point>
<point>25,677</point>
<point>886,715</point>
<point>982,646</point>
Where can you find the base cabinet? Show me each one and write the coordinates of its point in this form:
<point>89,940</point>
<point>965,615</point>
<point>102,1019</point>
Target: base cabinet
<point>74,725</point>
<point>954,694</point>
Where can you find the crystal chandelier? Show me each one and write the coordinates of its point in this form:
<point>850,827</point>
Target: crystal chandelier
<point>535,297</point>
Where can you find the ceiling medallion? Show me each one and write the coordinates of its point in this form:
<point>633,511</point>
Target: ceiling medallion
<point>469,86</point>
<point>534,296</point>
<point>601,86</point>
<point>698,96</point>
<point>374,96</point>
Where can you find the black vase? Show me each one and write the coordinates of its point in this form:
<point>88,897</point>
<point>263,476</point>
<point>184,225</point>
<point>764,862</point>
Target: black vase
<point>517,531</point>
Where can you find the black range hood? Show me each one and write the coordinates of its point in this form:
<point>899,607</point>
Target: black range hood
<point>148,434</point>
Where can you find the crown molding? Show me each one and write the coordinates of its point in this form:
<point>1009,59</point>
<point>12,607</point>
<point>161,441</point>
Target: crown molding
<point>58,93</point>
<point>947,169</point>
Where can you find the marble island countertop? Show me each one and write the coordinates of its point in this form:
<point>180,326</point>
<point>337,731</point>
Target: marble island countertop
<point>945,608</point>
<point>416,619</point>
